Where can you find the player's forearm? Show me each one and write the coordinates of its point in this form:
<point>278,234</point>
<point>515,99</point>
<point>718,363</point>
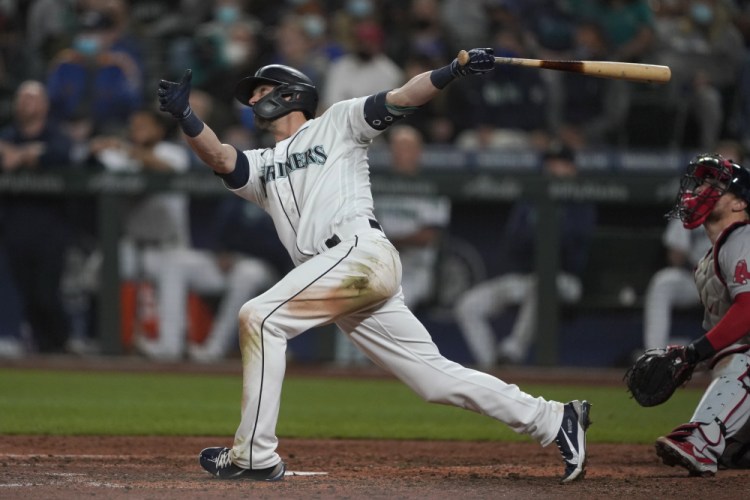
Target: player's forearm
<point>425,86</point>
<point>733,326</point>
<point>416,92</point>
<point>220,157</point>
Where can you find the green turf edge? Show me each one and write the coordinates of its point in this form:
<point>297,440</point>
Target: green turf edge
<point>114,403</point>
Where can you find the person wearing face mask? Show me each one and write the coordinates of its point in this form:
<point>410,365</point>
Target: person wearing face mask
<point>96,77</point>
<point>365,70</point>
<point>223,42</point>
<point>705,51</point>
<point>239,52</point>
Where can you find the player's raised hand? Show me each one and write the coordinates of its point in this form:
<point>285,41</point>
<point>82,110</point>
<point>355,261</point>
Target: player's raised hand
<point>473,62</point>
<point>174,97</point>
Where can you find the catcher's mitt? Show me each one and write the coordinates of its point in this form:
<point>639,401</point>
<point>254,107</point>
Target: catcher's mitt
<point>657,373</point>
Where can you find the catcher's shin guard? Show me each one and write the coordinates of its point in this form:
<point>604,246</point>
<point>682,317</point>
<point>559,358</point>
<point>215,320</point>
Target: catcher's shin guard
<point>725,406</point>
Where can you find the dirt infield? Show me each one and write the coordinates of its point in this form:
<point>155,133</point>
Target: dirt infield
<point>167,468</point>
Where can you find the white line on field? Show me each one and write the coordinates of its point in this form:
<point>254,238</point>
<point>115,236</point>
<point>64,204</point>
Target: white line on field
<point>95,457</point>
<point>118,457</point>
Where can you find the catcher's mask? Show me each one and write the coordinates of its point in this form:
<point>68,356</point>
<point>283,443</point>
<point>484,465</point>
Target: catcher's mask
<point>293,92</point>
<point>707,178</point>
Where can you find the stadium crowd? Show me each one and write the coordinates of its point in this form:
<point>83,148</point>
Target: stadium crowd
<point>76,74</point>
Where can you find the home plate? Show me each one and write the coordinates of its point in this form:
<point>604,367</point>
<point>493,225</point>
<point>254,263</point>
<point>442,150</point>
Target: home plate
<point>304,473</point>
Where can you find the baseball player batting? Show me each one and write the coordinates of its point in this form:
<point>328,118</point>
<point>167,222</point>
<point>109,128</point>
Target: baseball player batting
<point>715,193</point>
<point>315,185</point>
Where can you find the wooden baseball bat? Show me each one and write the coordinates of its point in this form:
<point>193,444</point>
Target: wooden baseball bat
<point>634,72</point>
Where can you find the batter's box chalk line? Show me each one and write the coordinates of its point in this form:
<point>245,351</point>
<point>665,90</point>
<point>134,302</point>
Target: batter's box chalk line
<point>303,473</point>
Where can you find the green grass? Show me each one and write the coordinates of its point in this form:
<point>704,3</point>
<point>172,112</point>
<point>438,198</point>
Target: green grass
<point>106,403</point>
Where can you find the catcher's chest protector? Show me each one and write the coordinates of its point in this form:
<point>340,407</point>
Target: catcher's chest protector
<point>714,295</point>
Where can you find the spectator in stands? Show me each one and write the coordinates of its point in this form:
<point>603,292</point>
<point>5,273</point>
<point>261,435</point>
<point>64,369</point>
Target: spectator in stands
<point>48,30</point>
<point>413,223</point>
<point>473,28</point>
<point>478,306</point>
<point>365,70</point>
<point>15,64</point>
<point>35,230</point>
<point>673,287</point>
<point>433,121</point>
<point>97,77</point>
<point>508,108</point>
<point>235,268</point>
<point>121,37</point>
<point>705,52</point>
<point>160,217</point>
<point>589,112</point>
<point>157,222</point>
<point>550,25</point>
<point>238,54</point>
<point>424,34</point>
<point>628,25</point>
<point>225,42</point>
<point>11,315</point>
<point>299,43</point>
<point>168,19</point>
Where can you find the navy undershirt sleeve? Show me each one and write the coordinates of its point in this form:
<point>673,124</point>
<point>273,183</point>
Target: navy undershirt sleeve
<point>238,177</point>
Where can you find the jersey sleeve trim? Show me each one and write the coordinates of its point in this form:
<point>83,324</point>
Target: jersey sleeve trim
<point>379,114</point>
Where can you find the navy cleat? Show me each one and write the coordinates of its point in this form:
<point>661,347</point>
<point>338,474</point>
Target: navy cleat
<point>217,462</point>
<point>571,439</point>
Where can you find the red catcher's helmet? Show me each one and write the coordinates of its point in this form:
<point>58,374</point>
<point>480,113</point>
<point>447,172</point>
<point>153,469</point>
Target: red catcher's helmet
<point>293,91</point>
<point>715,176</point>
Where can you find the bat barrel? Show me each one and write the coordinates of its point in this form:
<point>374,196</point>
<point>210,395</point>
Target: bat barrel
<point>634,72</point>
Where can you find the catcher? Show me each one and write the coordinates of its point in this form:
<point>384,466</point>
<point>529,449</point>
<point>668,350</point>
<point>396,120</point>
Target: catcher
<point>715,193</point>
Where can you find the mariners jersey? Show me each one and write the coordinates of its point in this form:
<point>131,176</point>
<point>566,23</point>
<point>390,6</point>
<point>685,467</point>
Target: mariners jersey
<point>315,180</point>
<point>723,273</point>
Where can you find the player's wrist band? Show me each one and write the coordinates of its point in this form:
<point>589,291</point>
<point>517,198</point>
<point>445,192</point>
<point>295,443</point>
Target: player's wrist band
<point>191,124</point>
<point>703,348</point>
<point>442,77</point>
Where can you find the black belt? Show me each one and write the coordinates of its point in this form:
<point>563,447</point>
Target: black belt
<point>335,240</point>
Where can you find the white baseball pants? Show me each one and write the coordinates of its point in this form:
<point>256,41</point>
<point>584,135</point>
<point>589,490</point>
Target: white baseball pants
<point>357,285</point>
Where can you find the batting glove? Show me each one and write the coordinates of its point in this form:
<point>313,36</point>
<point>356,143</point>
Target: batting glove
<point>479,61</point>
<point>174,98</point>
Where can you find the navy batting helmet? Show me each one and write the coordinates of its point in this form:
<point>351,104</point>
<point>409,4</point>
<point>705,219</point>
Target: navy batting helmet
<point>719,176</point>
<point>293,92</point>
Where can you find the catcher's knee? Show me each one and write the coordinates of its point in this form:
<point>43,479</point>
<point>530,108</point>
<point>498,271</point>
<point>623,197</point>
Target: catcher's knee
<point>733,365</point>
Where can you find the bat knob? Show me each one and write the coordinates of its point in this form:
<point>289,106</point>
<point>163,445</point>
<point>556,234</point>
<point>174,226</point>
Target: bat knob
<point>462,57</point>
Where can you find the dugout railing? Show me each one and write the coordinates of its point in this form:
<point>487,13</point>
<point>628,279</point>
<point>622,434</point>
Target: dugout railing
<point>629,188</point>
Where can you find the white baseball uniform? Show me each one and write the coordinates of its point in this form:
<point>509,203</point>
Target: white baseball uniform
<point>316,187</point>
